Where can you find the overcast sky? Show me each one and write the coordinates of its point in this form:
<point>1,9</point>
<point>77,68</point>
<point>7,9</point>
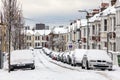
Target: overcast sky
<point>55,12</point>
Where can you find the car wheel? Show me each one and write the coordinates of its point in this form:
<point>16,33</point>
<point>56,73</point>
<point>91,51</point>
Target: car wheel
<point>109,69</point>
<point>11,69</point>
<point>33,67</point>
<point>87,65</point>
<point>83,67</point>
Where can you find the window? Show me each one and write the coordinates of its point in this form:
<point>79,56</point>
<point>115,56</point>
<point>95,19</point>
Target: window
<point>105,44</point>
<point>84,46</point>
<point>93,46</point>
<point>105,25</point>
<point>118,60</point>
<point>84,32</point>
<point>35,37</point>
<point>114,46</point>
<point>99,47</point>
<point>30,44</point>
<point>28,37</point>
<point>38,37</point>
<point>93,29</point>
<point>38,44</point>
<point>35,44</point>
<point>114,23</point>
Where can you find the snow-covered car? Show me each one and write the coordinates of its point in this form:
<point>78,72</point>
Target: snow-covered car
<point>38,47</point>
<point>22,59</point>
<point>60,58</point>
<point>78,56</point>
<point>47,51</point>
<point>65,57</point>
<point>54,55</point>
<point>97,59</point>
<point>71,58</point>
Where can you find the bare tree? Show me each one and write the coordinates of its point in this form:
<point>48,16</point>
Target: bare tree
<point>13,13</point>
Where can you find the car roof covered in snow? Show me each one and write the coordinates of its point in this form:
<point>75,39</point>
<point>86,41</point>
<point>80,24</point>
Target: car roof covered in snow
<point>97,55</point>
<point>21,54</point>
<point>79,52</point>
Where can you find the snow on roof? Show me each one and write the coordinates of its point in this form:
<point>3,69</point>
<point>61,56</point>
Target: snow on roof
<point>29,31</point>
<point>95,17</point>
<point>83,22</point>
<point>109,10</point>
<point>40,32</point>
<point>60,30</point>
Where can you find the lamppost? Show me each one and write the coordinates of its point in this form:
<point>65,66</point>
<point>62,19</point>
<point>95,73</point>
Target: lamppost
<point>87,17</point>
<point>33,38</point>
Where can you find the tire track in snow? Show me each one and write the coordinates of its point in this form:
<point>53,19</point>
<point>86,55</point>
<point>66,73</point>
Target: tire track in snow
<point>62,66</point>
<point>104,75</point>
<point>51,61</point>
<point>43,63</point>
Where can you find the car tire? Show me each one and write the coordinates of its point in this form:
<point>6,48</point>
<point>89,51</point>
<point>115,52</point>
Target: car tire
<point>87,65</point>
<point>33,67</point>
<point>103,69</point>
<point>11,68</point>
<point>82,66</point>
<point>109,69</point>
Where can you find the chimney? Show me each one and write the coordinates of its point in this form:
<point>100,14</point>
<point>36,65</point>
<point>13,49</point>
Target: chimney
<point>104,6</point>
<point>113,2</point>
<point>95,11</point>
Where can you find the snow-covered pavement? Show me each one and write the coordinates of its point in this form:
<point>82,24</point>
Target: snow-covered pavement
<point>48,69</point>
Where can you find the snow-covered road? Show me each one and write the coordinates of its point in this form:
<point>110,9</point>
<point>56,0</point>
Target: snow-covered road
<point>48,69</point>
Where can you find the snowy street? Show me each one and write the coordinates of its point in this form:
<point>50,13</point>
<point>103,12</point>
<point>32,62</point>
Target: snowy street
<point>48,69</point>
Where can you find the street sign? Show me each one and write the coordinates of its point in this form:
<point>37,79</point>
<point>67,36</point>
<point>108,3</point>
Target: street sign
<point>70,46</point>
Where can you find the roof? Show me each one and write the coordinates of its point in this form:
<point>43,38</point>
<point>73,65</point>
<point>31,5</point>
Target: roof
<point>40,32</point>
<point>109,10</point>
<point>83,22</point>
<point>60,30</point>
<point>95,17</point>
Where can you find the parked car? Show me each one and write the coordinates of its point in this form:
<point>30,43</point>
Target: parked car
<point>46,51</point>
<point>71,58</point>
<point>78,56</point>
<point>38,47</point>
<point>97,59</point>
<point>66,57</point>
<point>22,59</point>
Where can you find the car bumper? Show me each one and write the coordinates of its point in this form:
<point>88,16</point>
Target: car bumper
<point>100,66</point>
<point>17,66</point>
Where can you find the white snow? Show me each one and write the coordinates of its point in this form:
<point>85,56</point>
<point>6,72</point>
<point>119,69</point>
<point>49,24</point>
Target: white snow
<point>109,10</point>
<point>39,32</point>
<point>95,17</point>
<point>83,22</point>
<point>98,55</point>
<point>59,30</point>
<point>48,69</point>
<point>78,53</point>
